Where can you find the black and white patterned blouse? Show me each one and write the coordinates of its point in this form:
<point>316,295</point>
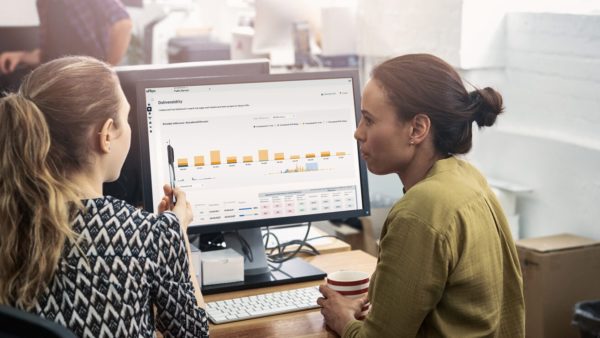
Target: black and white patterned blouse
<point>133,264</point>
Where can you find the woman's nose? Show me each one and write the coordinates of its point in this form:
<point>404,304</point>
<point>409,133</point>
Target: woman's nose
<point>358,134</point>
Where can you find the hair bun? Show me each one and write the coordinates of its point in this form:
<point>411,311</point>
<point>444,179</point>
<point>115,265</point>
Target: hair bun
<point>486,105</point>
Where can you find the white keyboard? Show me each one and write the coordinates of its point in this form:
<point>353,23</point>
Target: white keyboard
<point>268,304</point>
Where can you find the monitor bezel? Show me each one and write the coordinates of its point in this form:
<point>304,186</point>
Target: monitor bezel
<point>200,81</point>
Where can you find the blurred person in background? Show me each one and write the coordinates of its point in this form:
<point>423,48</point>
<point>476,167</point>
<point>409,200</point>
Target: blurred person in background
<point>98,28</point>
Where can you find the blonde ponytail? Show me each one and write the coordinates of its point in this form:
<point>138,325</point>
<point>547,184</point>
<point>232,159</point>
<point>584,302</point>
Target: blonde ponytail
<point>43,138</point>
<point>34,204</point>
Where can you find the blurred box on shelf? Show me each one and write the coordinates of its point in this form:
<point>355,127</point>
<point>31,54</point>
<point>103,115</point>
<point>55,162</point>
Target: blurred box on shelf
<point>339,61</point>
<point>197,48</point>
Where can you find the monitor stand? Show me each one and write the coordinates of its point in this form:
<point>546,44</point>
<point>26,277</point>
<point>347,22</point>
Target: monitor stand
<point>259,273</point>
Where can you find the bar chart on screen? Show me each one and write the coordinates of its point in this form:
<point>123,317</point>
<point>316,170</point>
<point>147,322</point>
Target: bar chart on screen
<point>308,150</point>
<point>306,144</point>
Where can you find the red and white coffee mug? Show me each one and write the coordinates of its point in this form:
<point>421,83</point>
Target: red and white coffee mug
<point>352,284</point>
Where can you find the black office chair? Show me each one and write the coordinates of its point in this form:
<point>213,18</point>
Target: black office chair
<point>15,323</point>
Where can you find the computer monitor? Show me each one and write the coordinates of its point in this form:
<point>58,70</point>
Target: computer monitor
<point>255,151</point>
<point>128,186</point>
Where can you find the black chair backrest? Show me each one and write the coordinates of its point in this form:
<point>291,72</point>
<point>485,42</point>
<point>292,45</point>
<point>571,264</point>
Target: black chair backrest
<point>15,323</point>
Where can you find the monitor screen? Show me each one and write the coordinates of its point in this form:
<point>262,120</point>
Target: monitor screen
<point>255,151</point>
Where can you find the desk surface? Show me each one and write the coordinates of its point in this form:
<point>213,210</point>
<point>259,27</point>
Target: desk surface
<point>308,323</point>
<point>332,245</point>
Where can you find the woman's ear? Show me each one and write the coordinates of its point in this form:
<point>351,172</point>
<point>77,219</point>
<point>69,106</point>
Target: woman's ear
<point>104,136</point>
<point>420,127</point>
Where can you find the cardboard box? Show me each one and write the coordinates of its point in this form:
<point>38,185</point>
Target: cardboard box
<point>558,271</point>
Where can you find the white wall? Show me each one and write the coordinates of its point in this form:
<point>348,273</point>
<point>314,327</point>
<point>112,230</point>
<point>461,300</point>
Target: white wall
<point>549,137</point>
<point>465,33</point>
<point>18,13</point>
<point>391,27</point>
<point>554,59</point>
<point>564,178</point>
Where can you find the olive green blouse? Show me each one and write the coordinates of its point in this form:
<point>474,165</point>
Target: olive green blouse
<point>447,263</point>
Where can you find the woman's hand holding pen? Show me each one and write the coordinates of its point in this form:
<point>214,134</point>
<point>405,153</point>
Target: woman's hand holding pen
<point>182,209</point>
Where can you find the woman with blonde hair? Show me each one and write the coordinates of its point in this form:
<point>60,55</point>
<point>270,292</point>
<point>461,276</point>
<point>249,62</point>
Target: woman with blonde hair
<point>89,262</point>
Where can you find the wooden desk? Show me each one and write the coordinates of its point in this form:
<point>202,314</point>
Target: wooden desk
<point>307,323</point>
<point>364,239</point>
<point>336,245</point>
